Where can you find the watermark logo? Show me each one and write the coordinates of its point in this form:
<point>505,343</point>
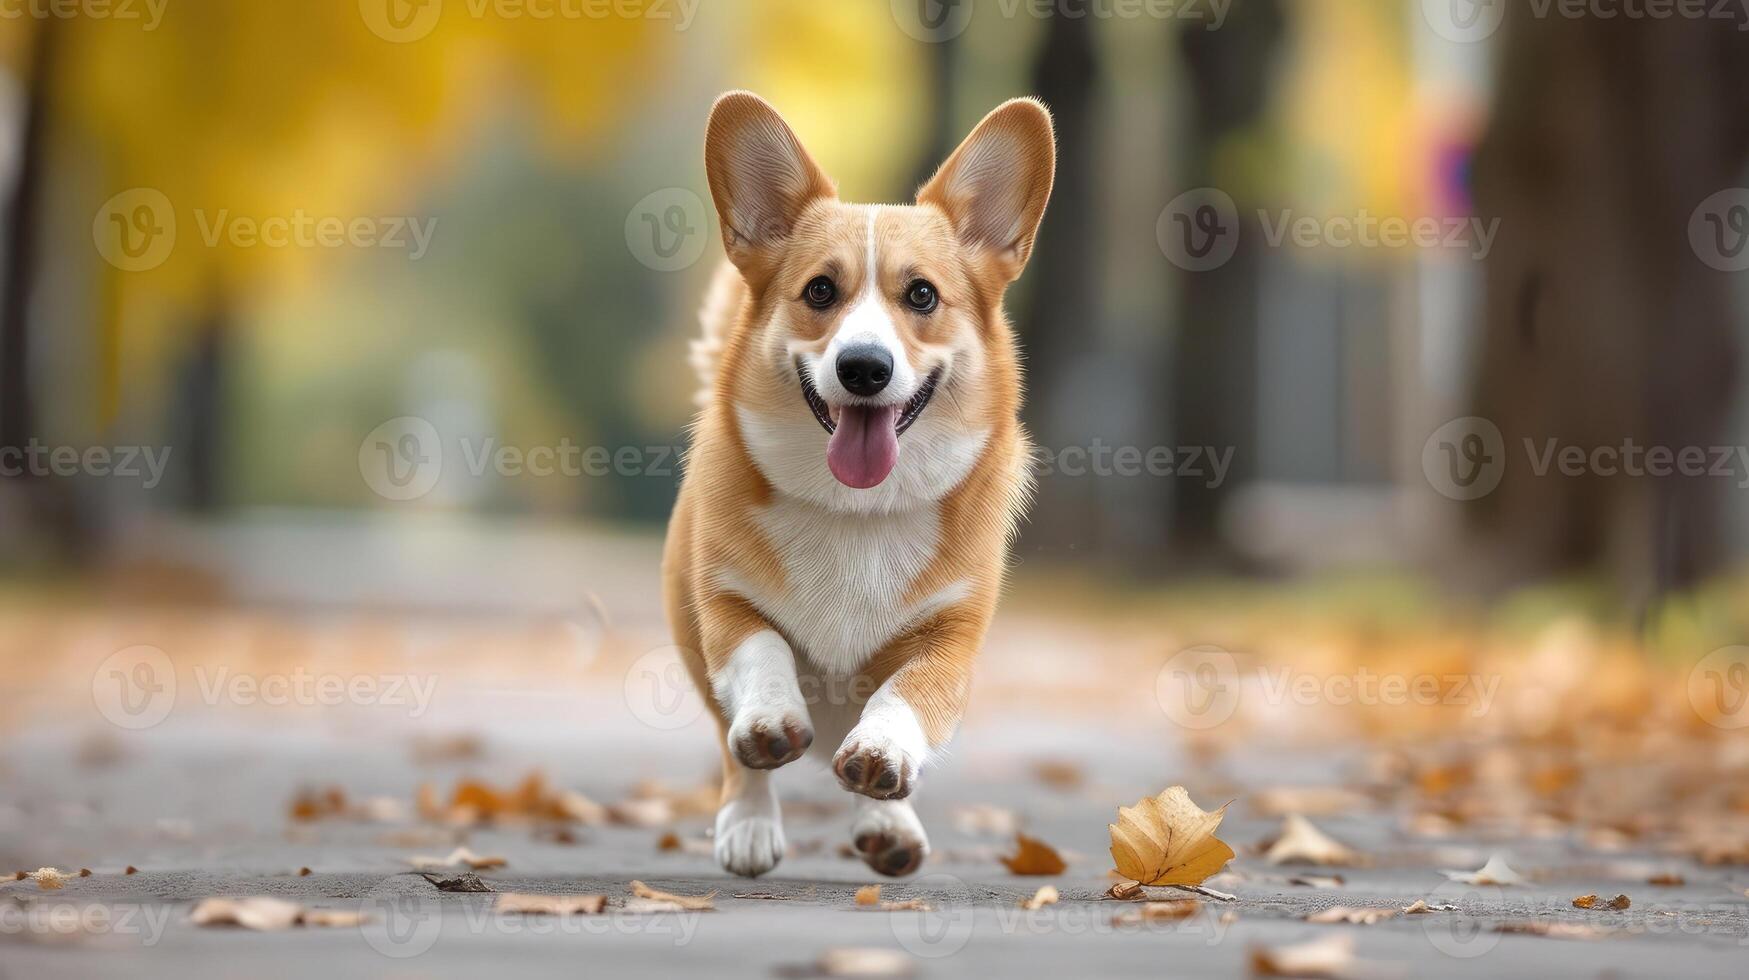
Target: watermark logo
<point>933,21</point>
<point>1464,459</point>
<point>400,924</point>
<point>659,690</point>
<point>134,688</point>
<point>667,229</point>
<point>1719,230</point>
<point>1458,934</point>
<point>149,12</point>
<point>400,21</point>
<point>401,459</point>
<point>1464,21</point>
<point>1199,687</point>
<point>1199,229</point>
<point>942,929</point>
<point>135,231</point>
<point>1718,688</point>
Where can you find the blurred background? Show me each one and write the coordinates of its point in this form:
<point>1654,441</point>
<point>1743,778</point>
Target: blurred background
<point>350,337</point>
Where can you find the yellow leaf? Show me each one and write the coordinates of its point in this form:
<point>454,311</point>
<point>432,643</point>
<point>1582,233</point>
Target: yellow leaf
<point>1034,857</point>
<point>1302,843</point>
<point>1168,840</point>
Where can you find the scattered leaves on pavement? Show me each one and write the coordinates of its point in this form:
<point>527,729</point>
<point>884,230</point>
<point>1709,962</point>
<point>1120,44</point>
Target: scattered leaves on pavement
<point>265,914</point>
<point>1168,840</point>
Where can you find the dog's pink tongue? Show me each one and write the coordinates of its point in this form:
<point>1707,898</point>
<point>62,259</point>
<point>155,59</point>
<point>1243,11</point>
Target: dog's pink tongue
<point>864,447</point>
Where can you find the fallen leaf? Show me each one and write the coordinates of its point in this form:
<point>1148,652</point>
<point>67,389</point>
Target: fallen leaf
<point>1327,956</point>
<point>1302,843</point>
<point>521,902</point>
<point>856,961</point>
<point>1169,911</point>
<point>469,882</point>
<point>636,906</point>
<point>1554,930</point>
<point>1125,891</point>
<point>1620,903</point>
<point>1352,916</point>
<point>1041,898</point>
<point>1666,880</point>
<point>84,872</point>
<point>906,905</point>
<point>581,809</point>
<point>131,870</point>
<point>458,857</point>
<point>264,914</point>
<point>1318,881</point>
<point>868,895</point>
<point>693,902</point>
<point>1034,857</point>
<point>317,804</point>
<point>1322,801</point>
<point>1495,872</point>
<point>304,872</point>
<point>984,819</point>
<point>47,879</point>
<point>1420,907</point>
<point>642,813</point>
<point>1059,774</point>
<point>1168,840</point>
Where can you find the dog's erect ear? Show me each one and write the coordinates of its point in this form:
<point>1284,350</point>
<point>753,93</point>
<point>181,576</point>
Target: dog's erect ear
<point>761,178</point>
<point>994,187</point>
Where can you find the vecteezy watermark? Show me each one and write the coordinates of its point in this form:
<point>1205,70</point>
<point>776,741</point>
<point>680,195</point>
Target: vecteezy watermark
<point>1206,463</point>
<point>1202,687</point>
<point>137,687</point>
<point>659,691</point>
<point>136,230</point>
<point>1718,687</point>
<point>1718,231</point>
<point>145,924</point>
<point>1470,21</point>
<point>935,21</point>
<point>150,13</point>
<point>1466,458</point>
<point>403,459</point>
<point>405,21</point>
<point>667,229</point>
<point>34,458</point>
<point>1200,230</point>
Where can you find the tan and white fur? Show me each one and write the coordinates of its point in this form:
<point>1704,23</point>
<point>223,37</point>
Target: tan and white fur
<point>828,592</point>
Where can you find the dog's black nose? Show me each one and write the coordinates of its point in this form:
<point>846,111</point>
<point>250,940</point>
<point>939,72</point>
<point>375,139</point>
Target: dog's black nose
<point>864,370</point>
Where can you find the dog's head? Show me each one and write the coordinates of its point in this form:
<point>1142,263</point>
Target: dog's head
<point>873,354</point>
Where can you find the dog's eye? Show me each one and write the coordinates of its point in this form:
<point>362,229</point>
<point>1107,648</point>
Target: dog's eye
<point>921,296</point>
<point>820,292</point>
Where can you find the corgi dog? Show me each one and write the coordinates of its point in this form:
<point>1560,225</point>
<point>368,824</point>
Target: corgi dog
<point>857,470</point>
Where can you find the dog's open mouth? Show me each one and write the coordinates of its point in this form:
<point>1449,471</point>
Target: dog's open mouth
<point>864,444</point>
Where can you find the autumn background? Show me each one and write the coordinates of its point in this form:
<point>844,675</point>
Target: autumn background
<point>270,243</point>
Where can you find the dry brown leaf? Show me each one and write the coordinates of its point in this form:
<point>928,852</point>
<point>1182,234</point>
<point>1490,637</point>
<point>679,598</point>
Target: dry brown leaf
<point>1620,903</point>
<point>1126,891</point>
<point>47,879</point>
<point>264,914</point>
<point>1169,911</point>
<point>1044,896</point>
<point>1351,916</point>
<point>1302,843</point>
<point>522,902</point>
<point>1554,930</point>
<point>469,882</point>
<point>636,906</point>
<point>581,809</point>
<point>906,905</point>
<point>1059,774</point>
<point>84,872</point>
<point>131,870</point>
<point>857,961</point>
<point>305,872</point>
<point>1319,801</point>
<point>1168,840</point>
<point>1667,880</point>
<point>458,857</point>
<point>318,804</point>
<point>1329,956</point>
<point>1495,872</point>
<point>1034,857</point>
<point>868,895</point>
<point>696,903</point>
<point>1420,907</point>
<point>642,813</point>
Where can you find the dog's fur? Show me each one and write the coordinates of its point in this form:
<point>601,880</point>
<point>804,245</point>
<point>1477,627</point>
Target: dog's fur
<point>811,612</point>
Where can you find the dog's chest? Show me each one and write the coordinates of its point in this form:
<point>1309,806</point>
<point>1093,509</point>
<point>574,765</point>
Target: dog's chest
<point>847,578</point>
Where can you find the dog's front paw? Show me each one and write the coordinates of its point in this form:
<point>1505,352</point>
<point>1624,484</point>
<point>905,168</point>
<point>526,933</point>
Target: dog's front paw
<point>766,740</point>
<point>890,838</point>
<point>748,843</point>
<point>875,768</point>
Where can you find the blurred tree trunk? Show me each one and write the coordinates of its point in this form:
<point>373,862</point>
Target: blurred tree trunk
<point>1062,278</point>
<point>1214,369</point>
<point>1602,323</point>
<point>23,240</point>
